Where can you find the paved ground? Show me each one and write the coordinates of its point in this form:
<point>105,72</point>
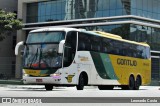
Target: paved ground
<point>39,91</point>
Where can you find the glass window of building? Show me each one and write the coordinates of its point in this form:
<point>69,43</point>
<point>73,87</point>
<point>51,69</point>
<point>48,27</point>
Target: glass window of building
<point>75,9</point>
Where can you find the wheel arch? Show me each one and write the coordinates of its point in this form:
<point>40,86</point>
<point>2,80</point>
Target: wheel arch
<point>132,75</point>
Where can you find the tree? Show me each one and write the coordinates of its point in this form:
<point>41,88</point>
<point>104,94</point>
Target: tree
<point>8,23</point>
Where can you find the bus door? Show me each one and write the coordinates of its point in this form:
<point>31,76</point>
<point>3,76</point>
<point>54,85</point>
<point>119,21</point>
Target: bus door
<point>69,65</point>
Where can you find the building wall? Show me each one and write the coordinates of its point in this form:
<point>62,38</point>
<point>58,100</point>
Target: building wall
<point>7,57</point>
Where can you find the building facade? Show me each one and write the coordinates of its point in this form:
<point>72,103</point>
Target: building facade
<point>7,57</point>
<point>137,20</point>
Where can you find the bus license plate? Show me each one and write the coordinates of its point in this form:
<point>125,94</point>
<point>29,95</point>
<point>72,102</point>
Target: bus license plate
<point>39,80</point>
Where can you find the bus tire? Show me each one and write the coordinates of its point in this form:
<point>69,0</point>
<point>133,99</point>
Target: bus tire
<point>131,84</point>
<point>81,83</point>
<point>138,83</point>
<point>48,87</point>
<point>105,87</point>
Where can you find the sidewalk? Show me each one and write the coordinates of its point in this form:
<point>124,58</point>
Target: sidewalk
<point>12,82</point>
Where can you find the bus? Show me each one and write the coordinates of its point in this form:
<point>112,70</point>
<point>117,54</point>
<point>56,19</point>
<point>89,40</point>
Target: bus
<point>76,57</point>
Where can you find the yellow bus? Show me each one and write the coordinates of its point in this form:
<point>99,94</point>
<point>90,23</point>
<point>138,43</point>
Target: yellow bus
<point>76,57</point>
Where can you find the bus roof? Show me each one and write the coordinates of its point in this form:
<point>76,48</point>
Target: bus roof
<point>56,29</point>
<point>105,34</point>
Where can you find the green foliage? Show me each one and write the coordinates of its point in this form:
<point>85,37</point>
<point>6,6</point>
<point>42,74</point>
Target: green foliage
<point>8,23</point>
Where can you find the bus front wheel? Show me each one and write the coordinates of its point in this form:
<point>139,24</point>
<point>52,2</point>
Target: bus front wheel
<point>81,83</point>
<point>48,87</point>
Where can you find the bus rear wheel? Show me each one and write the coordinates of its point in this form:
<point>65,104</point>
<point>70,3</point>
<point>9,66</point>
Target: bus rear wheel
<point>105,87</point>
<point>81,83</point>
<point>131,85</point>
<point>48,87</point>
<point>138,83</point>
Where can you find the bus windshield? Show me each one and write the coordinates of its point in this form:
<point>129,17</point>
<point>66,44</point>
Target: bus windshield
<point>46,37</point>
<point>41,50</point>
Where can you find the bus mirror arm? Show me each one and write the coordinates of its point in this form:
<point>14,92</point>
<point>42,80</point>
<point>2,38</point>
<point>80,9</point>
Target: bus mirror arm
<point>18,45</point>
<point>61,45</point>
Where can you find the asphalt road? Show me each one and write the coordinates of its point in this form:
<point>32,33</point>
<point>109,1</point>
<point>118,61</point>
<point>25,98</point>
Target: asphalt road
<point>39,91</point>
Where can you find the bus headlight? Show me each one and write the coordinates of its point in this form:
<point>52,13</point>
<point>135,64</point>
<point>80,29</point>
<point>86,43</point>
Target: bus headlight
<point>55,76</point>
<point>25,75</point>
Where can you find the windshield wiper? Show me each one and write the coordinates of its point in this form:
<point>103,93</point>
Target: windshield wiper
<point>40,56</point>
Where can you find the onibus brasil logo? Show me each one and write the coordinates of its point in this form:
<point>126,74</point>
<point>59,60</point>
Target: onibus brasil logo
<point>20,100</point>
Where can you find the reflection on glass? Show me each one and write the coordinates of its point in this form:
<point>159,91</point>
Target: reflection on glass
<point>75,9</point>
<point>45,37</point>
<point>80,9</point>
<point>41,50</point>
<point>42,56</point>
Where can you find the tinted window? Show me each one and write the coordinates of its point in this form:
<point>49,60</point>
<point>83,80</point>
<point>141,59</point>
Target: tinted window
<point>84,42</point>
<point>45,37</point>
<point>70,48</point>
<point>105,45</point>
<point>95,44</point>
<point>116,47</point>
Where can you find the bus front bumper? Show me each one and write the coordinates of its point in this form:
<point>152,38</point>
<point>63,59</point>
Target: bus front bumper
<point>41,80</point>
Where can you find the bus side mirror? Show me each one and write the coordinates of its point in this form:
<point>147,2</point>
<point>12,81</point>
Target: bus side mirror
<point>17,46</point>
<point>61,45</point>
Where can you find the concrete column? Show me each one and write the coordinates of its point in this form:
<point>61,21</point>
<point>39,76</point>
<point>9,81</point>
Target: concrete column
<point>22,10</point>
<point>20,37</point>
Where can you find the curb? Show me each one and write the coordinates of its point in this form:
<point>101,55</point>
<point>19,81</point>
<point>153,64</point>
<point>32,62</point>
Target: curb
<point>12,82</point>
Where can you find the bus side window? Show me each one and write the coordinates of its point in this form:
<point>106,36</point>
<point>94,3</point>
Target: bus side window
<point>140,53</point>
<point>144,55</point>
<point>81,45</point>
<point>147,49</point>
<point>87,44</point>
<point>84,42</point>
<point>105,45</point>
<point>104,49</point>
<point>70,48</point>
<point>95,44</point>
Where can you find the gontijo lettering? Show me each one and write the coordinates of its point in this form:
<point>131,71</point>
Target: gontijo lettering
<point>126,62</point>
